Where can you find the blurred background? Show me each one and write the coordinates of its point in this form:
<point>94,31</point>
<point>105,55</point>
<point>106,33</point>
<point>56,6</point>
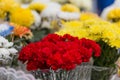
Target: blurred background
<point>101,4</point>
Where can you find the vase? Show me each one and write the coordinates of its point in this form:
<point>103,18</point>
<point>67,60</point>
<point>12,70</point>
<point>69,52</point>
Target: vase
<point>102,73</point>
<point>104,66</point>
<point>82,72</point>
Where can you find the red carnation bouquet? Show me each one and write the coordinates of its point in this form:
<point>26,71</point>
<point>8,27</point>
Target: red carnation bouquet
<point>58,52</point>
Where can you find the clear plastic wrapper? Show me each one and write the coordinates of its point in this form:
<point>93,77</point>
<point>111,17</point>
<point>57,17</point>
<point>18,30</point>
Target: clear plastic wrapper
<point>82,72</point>
<point>12,74</point>
<point>102,73</point>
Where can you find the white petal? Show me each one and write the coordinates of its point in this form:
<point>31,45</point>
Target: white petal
<point>25,5</point>
<point>12,50</point>
<point>116,4</point>
<point>51,10</point>
<point>106,11</point>
<point>6,45</point>
<point>3,40</point>
<point>45,24</point>
<point>83,3</point>
<point>4,52</point>
<point>68,15</point>
<point>37,18</point>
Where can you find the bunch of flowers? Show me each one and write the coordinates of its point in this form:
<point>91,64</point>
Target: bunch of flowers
<point>113,15</point>
<point>69,12</point>
<point>21,35</point>
<point>21,16</point>
<point>37,6</point>
<point>92,29</point>
<point>58,52</point>
<point>88,16</point>
<point>7,51</point>
<point>70,8</point>
<point>54,13</point>
<point>21,31</point>
<point>6,7</point>
<point>104,33</point>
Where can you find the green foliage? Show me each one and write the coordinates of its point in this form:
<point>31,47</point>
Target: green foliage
<point>108,56</point>
<point>39,34</point>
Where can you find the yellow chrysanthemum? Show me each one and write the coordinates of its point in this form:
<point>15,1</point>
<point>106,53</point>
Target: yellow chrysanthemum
<point>86,16</point>
<point>37,6</point>
<point>114,15</point>
<point>74,31</point>
<point>72,24</point>
<point>108,35</point>
<point>117,23</point>
<point>74,28</point>
<point>70,8</point>
<point>115,43</point>
<point>95,30</point>
<point>2,14</point>
<point>23,17</point>
<point>8,5</point>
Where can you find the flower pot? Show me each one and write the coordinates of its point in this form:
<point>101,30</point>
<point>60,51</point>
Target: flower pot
<point>82,72</point>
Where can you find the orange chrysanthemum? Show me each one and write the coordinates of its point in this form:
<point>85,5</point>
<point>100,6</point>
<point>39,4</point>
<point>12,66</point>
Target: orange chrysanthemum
<point>21,31</point>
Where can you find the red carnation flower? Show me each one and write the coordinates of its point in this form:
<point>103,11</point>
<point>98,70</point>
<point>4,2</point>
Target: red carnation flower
<point>58,52</point>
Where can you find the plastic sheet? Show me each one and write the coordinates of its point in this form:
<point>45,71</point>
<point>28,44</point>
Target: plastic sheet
<point>102,73</point>
<point>12,74</point>
<point>82,72</point>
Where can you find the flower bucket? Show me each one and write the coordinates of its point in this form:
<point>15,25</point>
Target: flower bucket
<point>82,72</point>
<point>102,73</point>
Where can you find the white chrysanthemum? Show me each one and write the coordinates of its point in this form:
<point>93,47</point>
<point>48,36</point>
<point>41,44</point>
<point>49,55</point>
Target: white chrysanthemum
<point>51,10</point>
<point>4,43</point>
<point>6,48</point>
<point>46,24</point>
<point>82,3</point>
<point>24,5</point>
<point>4,53</point>
<point>54,5</point>
<point>68,15</point>
<point>12,50</point>
<point>116,4</point>
<point>37,19</point>
<point>7,44</point>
